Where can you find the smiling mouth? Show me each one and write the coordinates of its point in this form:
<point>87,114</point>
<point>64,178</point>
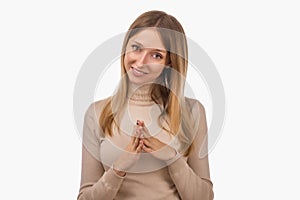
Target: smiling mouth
<point>138,71</point>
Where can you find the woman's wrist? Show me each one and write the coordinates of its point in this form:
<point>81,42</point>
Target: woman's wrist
<point>173,154</point>
<point>174,157</point>
<point>119,173</point>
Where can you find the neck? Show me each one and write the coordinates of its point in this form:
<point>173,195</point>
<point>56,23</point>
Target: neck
<point>140,93</point>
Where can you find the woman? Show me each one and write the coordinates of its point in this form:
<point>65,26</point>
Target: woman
<point>144,141</point>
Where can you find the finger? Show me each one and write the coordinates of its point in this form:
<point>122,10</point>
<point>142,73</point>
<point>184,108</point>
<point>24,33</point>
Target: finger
<point>132,139</point>
<point>139,131</point>
<point>147,149</point>
<point>140,123</point>
<point>136,142</point>
<point>140,146</point>
<point>147,142</point>
<point>134,135</point>
<point>136,138</point>
<point>134,131</point>
<point>146,132</point>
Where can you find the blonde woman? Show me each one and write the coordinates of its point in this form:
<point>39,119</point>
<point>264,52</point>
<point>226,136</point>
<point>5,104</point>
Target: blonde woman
<point>147,141</point>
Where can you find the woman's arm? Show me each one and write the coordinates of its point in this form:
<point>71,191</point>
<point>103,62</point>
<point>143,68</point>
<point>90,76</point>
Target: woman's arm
<point>95,182</point>
<point>192,178</point>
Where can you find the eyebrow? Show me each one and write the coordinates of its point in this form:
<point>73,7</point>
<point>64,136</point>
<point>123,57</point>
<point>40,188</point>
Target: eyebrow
<point>159,50</point>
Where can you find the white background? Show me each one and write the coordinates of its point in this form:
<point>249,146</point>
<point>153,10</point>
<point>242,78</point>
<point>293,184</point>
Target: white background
<point>254,45</point>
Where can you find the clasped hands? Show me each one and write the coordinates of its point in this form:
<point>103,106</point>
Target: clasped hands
<point>142,141</point>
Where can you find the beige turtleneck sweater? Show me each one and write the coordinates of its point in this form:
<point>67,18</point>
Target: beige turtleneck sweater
<point>183,178</point>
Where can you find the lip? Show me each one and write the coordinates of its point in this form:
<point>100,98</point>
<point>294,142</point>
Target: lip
<point>137,72</point>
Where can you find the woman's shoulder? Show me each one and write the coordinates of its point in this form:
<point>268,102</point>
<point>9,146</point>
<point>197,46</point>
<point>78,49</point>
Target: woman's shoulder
<point>194,104</point>
<point>101,102</point>
<point>97,106</point>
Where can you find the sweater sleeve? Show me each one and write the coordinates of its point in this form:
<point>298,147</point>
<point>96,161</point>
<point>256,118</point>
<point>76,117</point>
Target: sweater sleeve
<point>96,183</point>
<point>192,178</point>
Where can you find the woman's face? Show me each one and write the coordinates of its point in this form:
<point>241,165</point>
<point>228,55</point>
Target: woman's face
<point>145,57</point>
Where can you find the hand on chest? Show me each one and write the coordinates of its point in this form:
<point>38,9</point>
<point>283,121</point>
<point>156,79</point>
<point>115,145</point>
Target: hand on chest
<point>148,114</point>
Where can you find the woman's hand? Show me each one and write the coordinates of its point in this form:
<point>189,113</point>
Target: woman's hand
<point>130,155</point>
<point>154,146</point>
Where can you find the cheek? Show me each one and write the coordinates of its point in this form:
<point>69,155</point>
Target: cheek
<point>157,68</point>
<point>129,58</point>
<point>127,61</point>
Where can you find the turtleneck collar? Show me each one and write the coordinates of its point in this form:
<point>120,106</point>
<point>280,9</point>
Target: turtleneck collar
<point>140,95</point>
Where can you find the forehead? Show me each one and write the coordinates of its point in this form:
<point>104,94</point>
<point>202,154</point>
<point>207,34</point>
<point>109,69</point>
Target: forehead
<point>149,38</point>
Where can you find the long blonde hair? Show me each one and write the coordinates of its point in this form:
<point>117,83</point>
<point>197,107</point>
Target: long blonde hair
<point>176,111</point>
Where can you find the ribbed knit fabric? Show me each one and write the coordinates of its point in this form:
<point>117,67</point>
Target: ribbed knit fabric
<point>185,178</point>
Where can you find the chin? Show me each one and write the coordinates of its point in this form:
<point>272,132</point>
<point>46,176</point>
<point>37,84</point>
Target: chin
<point>136,82</point>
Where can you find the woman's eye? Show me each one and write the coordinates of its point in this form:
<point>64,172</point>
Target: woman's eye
<point>157,56</point>
<point>135,47</point>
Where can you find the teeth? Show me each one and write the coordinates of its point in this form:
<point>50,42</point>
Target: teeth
<point>138,71</point>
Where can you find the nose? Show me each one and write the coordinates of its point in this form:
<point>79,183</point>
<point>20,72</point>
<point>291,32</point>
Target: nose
<point>142,59</point>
